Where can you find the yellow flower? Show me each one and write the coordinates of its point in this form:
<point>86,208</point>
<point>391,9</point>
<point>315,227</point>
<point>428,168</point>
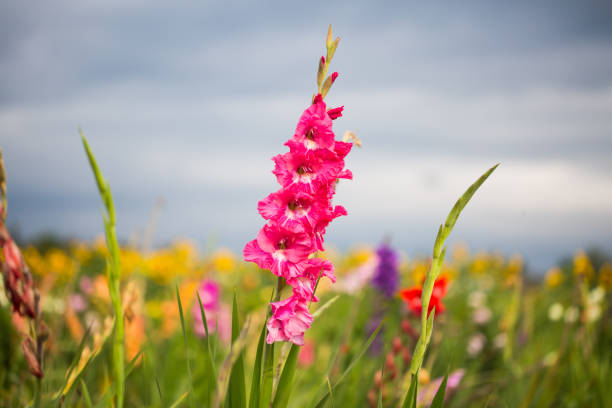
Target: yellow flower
<point>461,252</point>
<point>81,252</point>
<point>513,270</point>
<point>419,270</point>
<point>59,263</point>
<point>480,264</point>
<point>131,260</point>
<point>583,266</point>
<point>224,260</point>
<point>554,277</point>
<point>605,276</point>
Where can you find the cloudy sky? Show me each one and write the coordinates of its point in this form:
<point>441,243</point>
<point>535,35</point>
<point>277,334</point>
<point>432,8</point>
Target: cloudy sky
<point>188,101</point>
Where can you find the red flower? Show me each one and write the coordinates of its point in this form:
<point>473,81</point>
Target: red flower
<point>412,297</point>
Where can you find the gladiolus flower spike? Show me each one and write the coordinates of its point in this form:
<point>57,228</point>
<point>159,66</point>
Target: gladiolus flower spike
<point>300,211</point>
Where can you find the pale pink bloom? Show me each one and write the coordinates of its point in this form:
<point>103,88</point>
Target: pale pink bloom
<point>476,343</point>
<point>427,392</point>
<point>357,278</point>
<point>86,285</point>
<point>290,319</point>
<point>279,250</point>
<point>77,302</point>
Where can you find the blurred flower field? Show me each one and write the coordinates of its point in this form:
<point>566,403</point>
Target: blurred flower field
<point>505,338</point>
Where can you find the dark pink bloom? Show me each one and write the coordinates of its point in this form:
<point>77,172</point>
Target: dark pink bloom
<point>314,129</point>
<point>334,76</point>
<point>305,171</point>
<point>279,250</point>
<point>335,113</point>
<point>296,212</point>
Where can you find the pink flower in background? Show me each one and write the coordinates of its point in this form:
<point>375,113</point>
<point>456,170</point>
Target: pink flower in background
<point>217,314</point>
<point>426,394</point>
<point>298,215</point>
<point>307,354</point>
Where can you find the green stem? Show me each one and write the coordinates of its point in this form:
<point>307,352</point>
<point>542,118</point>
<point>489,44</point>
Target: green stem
<point>37,392</point>
<point>114,276</point>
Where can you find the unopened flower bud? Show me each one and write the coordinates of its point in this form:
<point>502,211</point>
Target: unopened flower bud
<point>397,345</point>
<point>335,113</point>
<point>378,378</point>
<point>29,351</point>
<point>390,361</point>
<point>406,356</point>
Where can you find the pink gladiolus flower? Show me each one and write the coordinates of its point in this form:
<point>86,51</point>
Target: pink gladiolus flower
<point>298,215</point>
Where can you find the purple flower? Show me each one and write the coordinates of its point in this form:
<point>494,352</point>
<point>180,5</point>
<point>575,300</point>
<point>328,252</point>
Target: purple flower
<point>386,274</point>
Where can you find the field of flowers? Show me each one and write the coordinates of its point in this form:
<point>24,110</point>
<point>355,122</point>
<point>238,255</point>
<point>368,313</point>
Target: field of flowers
<point>504,340</point>
<point>293,323</point>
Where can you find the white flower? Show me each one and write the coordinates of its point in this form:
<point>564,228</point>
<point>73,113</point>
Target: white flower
<point>550,359</point>
<point>571,314</point>
<point>555,311</point>
<point>593,313</point>
<point>476,343</point>
<point>500,340</point>
<point>477,299</point>
<point>481,315</point>
<point>597,295</point>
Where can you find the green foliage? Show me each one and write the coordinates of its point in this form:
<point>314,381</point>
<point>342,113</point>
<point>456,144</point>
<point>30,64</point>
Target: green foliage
<point>114,275</point>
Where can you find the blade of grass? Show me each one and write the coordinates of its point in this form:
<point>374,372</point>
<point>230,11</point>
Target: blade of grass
<point>439,251</point>
<point>438,400</point>
<point>73,364</point>
<point>364,348</point>
<point>132,364</point>
<point>237,391</point>
<point>228,364</point>
<point>324,307</point>
<point>255,396</point>
<point>285,384</point>
<point>331,393</point>
<point>410,400</point>
<point>178,401</point>
<point>86,397</point>
<point>211,374</point>
<point>189,376</point>
<point>114,275</point>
